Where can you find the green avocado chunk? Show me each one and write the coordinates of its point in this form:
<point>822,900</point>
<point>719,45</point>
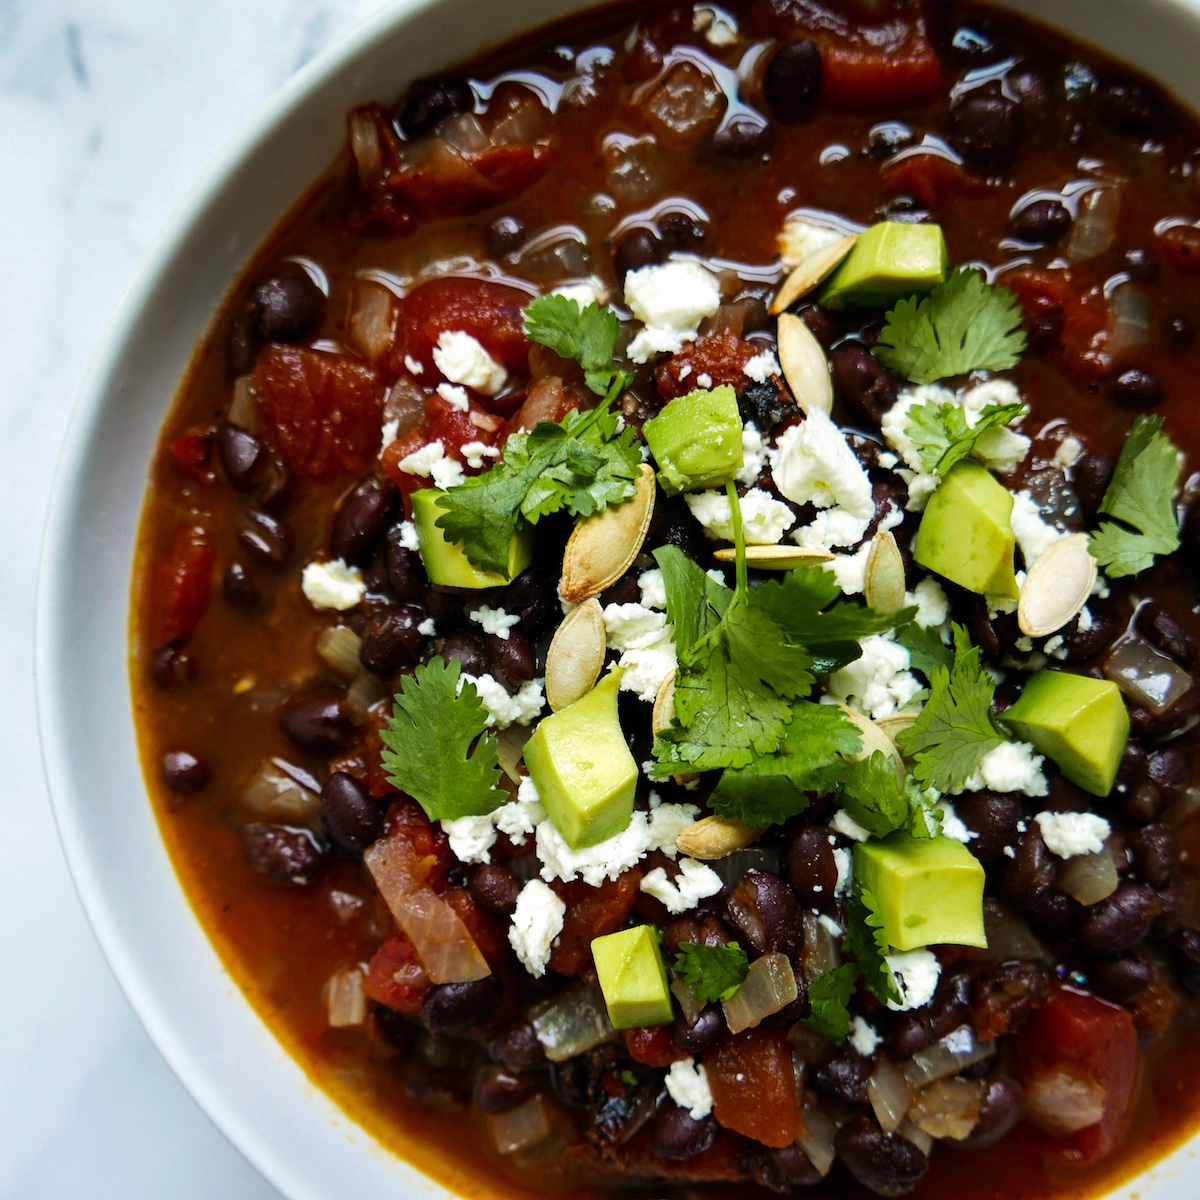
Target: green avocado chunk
<point>696,440</point>
<point>446,563</point>
<point>929,891</point>
<point>579,760</point>
<point>889,261</point>
<point>1079,722</point>
<point>633,978</point>
<point>966,532</point>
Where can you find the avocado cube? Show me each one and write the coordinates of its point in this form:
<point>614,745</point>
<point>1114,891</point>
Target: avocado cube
<point>633,978</point>
<point>1079,722</point>
<point>929,891</point>
<point>966,532</point>
<point>446,563</point>
<point>696,440</point>
<point>889,261</point>
<point>579,760</point>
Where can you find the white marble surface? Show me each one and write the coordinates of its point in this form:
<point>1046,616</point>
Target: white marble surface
<point>109,109</point>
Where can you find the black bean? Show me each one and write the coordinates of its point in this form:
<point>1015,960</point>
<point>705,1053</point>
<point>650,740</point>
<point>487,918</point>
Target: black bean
<point>468,649</point>
<point>906,1033</point>
<point>1134,766</point>
<point>986,130</point>
<point>1137,389</point>
<point>993,817</point>
<point>1033,92</point>
<point>1090,476</point>
<point>276,482</point>
<point>1163,631</point>
<point>284,853</point>
<point>455,1007</point>
<point>635,250</point>
<point>1181,333</point>
<point>268,538</point>
<point>533,594</point>
<point>315,720</point>
<point>172,666</point>
<point>951,1007</point>
<point>887,1163</point>
<point>362,519</point>
<point>241,455</point>
<point>1120,921</point>
<point>1027,877</point>
<point>495,887</point>
<point>697,1035</point>
<point>430,101</point>
<point>404,569</point>
<point>1176,906</point>
<point>1055,911</point>
<point>1003,998</point>
<point>391,640</point>
<point>241,343</point>
<point>1043,222</point>
<point>744,135</point>
<point>184,772</point>
<point>512,659</point>
<point>1185,948</point>
<point>762,908</point>
<point>1080,645</point>
<point>505,236</point>
<point>811,867</point>
<point>1044,328</point>
<point>846,1076</point>
<point>793,79</point>
<point>517,1047</point>
<point>783,1169</point>
<point>352,816</point>
<point>287,306</point>
<point>1158,726</point>
<point>681,231</point>
<point>1139,266</point>
<point>999,1113</point>
<point>1127,108</point>
<point>239,587</point>
<point>1169,770</point>
<point>1155,851</point>
<point>681,529</point>
<point>822,324</point>
<point>702,928</point>
<point>863,381</point>
<point>1142,803</point>
<point>498,1090</point>
<point>677,1137</point>
<point>1121,980</point>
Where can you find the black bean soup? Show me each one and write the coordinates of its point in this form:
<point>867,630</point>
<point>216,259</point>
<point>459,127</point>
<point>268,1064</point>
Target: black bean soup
<point>793,403</point>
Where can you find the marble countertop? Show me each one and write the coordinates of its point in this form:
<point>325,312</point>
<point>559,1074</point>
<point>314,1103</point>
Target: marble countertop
<point>109,109</point>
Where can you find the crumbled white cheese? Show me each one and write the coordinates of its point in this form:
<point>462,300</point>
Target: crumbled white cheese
<point>671,300</point>
<point>812,463</point>
<point>916,974</point>
<point>845,824</point>
<point>1070,834</point>
<point>505,710</point>
<point>583,292</point>
<point>521,816</point>
<point>332,584</point>
<point>1001,449</point>
<point>1010,767</point>
<point>704,380</point>
<point>878,682</point>
<point>764,519</point>
<point>476,452</point>
<point>495,621</point>
<point>827,923</point>
<point>653,588</point>
<point>413,367</point>
<point>1033,532</point>
<point>844,861</point>
<point>408,536</point>
<point>454,396</point>
<point>1085,621</point>
<point>933,605</point>
<point>754,455</point>
<point>462,359</point>
<point>427,628</point>
<point>695,882</point>
<point>471,838</point>
<point>430,461</point>
<point>1068,452</point>
<point>536,922</point>
<point>388,434</point>
<point>687,1085</point>
<point>952,823</point>
<point>644,639</point>
<point>850,570</point>
<point>863,1037</point>
<point>762,367</point>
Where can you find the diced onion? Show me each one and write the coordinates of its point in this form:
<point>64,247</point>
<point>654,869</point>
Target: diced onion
<point>1063,1101</point>
<point>809,1044</point>
<point>917,1136</point>
<point>1129,320</point>
<point>338,646</point>
<point>371,315</point>
<point>890,1094</point>
<point>573,1023</point>
<point>520,1127</point>
<point>364,694</point>
<point>272,792</point>
<point>464,134</point>
<point>769,987</point>
<point>365,146</point>
<point>816,1141</point>
<point>445,947</point>
<point>949,1108</point>
<point>345,1001</point>
<point>1147,677</point>
<point>523,124</point>
<point>404,404</point>
<point>1009,938</point>
<point>939,1061</point>
<point>820,952</point>
<point>685,993</point>
<point>1090,878</point>
<point>243,407</point>
<point>1095,227</point>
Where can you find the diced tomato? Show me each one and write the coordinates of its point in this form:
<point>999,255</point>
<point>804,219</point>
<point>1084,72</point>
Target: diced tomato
<point>932,178</point>
<point>753,1086</point>
<point>1082,344</point>
<point>1181,246</point>
<point>487,931</point>
<point>396,977</point>
<point>591,913</point>
<point>406,818</point>
<point>1077,1032</point>
<point>547,400</point>
<point>652,1046</point>
<point>192,453</point>
<point>184,585</point>
<point>721,357</point>
<point>323,410</point>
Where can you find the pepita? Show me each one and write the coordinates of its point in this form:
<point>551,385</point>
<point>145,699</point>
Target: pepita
<point>602,548</point>
<point>805,366</point>
<point>874,736</point>
<point>773,558</point>
<point>1057,586</point>
<point>883,581</point>
<point>576,655</point>
<point>896,723</point>
<point>715,837</point>
<point>812,269</point>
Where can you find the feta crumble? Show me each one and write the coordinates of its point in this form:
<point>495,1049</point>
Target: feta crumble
<point>332,585</point>
<point>762,367</point>
<point>536,922</point>
<point>687,1085</point>
<point>408,536</point>
<point>644,638</point>
<point>812,463</point>
<point>933,605</point>
<point>463,359</point>
<point>388,434</point>
<point>1033,532</point>
<point>916,974</point>
<point>472,838</point>
<point>653,588</point>
<point>863,1037</point>
<point>1068,452</point>
<point>671,300</point>
<point>879,682</point>
<point>427,628</point>
<point>695,882</point>
<point>842,822</point>
<point>844,860</point>
<point>413,366</point>
<point>504,709</point>
<point>754,455</point>
<point>494,620</point>
<point>431,462</point>
<point>454,396</point>
<point>583,292</point>
<point>764,519</point>
<point>476,452</point>
<point>1010,767</point>
<point>1071,834</point>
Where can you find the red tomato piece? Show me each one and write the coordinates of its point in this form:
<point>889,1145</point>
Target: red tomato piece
<point>931,177</point>
<point>753,1086</point>
<point>591,913</point>
<point>652,1046</point>
<point>193,454</point>
<point>324,411</point>
<point>1181,245</point>
<point>1093,1039</point>
<point>184,585</point>
<point>395,977</point>
<point>406,818</point>
<point>1083,341</point>
<point>722,358</point>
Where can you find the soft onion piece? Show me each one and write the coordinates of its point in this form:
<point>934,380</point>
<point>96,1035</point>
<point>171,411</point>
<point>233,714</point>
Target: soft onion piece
<point>272,792</point>
<point>1147,677</point>
<point>939,1060</point>
<point>890,1094</point>
<point>1095,227</point>
<point>338,647</point>
<point>1009,938</point>
<point>520,1127</point>
<point>1090,878</point>
<point>949,1108</point>
<point>510,748</point>
<point>769,987</point>
<point>371,317</point>
<point>365,146</point>
<point>365,693</point>
<point>918,1137</point>
<point>345,1001</point>
<point>243,407</point>
<point>820,953</point>
<point>573,1023</point>
<point>816,1141</point>
<point>685,993</point>
<point>1129,320</point>
<point>1063,1101</point>
<point>445,947</point>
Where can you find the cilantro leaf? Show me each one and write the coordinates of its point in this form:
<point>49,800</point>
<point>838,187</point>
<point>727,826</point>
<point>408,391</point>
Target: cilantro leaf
<point>1140,498</point>
<point>715,972</point>
<point>437,747</point>
<point>963,325</point>
<point>587,335</point>
<point>956,727</point>
<point>695,601</point>
<point>925,648</point>
<point>828,997</point>
<point>583,465</point>
<point>811,758</point>
<point>876,797</point>
<point>942,436</point>
<point>757,645</point>
<point>866,944</point>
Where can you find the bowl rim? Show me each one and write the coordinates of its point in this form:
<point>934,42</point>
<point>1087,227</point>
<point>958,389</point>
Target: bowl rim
<point>207,1085</point>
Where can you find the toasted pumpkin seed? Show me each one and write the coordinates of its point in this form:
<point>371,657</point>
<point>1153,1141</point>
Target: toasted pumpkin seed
<point>884,578</point>
<point>812,269</point>
<point>715,837</point>
<point>602,548</point>
<point>1057,586</point>
<point>576,655</point>
<point>874,736</point>
<point>896,723</point>
<point>773,558</point>
<point>805,366</point>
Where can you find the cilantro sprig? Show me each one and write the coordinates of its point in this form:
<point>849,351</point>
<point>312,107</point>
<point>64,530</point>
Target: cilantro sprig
<point>437,747</point>
<point>942,436</point>
<point>963,325</point>
<point>587,335</point>
<point>1141,502</point>
<point>867,944</point>
<point>714,972</point>
<point>882,799</point>
<point>829,997</point>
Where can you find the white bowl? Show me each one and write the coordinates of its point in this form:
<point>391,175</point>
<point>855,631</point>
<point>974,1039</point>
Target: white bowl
<point>202,1024</point>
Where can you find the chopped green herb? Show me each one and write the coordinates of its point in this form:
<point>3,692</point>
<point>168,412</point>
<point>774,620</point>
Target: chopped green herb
<point>714,972</point>
<point>868,946</point>
<point>963,325</point>
<point>829,997</point>
<point>926,649</point>
<point>874,794</point>
<point>1141,501</point>
<point>587,335</point>
<point>942,436</point>
<point>437,747</point>
<point>627,1077</point>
